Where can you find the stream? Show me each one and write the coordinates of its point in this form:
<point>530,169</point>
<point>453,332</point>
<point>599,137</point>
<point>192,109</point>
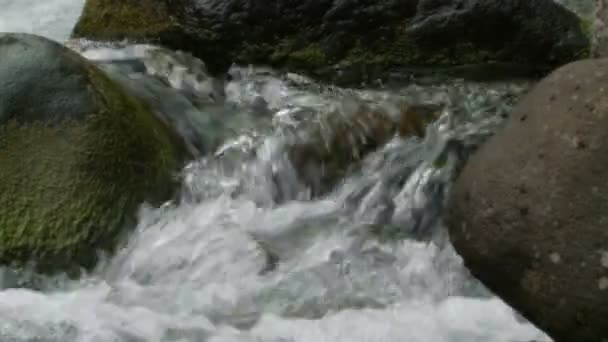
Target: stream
<point>368,261</point>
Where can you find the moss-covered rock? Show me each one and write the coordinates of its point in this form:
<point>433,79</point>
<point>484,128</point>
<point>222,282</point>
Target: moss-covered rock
<point>132,19</point>
<point>348,41</point>
<point>77,156</point>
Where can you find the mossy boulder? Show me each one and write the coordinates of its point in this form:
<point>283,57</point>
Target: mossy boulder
<point>78,156</point>
<point>133,19</point>
<point>529,212</point>
<point>351,40</point>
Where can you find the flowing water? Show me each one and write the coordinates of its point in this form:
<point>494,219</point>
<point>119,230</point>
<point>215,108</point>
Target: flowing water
<point>370,261</point>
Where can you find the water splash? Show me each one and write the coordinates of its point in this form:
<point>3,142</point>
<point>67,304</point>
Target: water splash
<point>53,19</point>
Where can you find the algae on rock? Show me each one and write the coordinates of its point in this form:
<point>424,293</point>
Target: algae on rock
<point>132,19</point>
<point>78,156</point>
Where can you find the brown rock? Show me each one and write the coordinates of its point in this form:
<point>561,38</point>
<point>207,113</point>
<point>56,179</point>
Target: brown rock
<point>414,119</point>
<point>529,212</point>
<point>340,142</point>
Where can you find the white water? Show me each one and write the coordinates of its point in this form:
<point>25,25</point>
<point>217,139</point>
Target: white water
<point>53,19</point>
<point>199,271</point>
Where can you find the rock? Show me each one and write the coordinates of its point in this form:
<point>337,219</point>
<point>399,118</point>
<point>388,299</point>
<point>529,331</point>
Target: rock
<point>351,40</point>
<point>174,84</point>
<point>583,8</point>
<point>77,157</point>
<point>132,19</point>
<point>337,143</point>
<point>599,29</point>
<point>529,211</point>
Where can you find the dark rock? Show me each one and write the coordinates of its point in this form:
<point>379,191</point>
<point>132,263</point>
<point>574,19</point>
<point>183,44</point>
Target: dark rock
<point>350,40</point>
<point>201,130</point>
<point>528,213</point>
<point>77,156</point>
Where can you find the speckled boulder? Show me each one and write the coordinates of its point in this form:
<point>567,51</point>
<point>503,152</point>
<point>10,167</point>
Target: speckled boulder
<point>529,212</point>
<point>77,156</point>
<point>352,40</point>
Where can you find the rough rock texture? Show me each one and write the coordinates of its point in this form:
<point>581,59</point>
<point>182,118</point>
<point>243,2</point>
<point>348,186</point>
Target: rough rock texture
<point>349,40</point>
<point>77,156</point>
<point>599,33</point>
<point>529,212</point>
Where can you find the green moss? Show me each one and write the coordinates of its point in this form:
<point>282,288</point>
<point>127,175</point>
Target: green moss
<point>281,50</point>
<point>310,58</point>
<point>367,62</point>
<point>440,162</point>
<point>370,59</point>
<point>151,142</point>
<point>254,53</point>
<point>586,25</point>
<point>284,53</point>
<point>70,189</point>
<point>281,45</point>
<point>118,19</point>
<point>404,50</point>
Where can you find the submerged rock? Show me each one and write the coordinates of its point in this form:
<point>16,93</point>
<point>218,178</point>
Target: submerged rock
<point>186,73</point>
<point>77,156</point>
<point>529,211</point>
<point>351,41</point>
<point>338,142</point>
<point>174,84</point>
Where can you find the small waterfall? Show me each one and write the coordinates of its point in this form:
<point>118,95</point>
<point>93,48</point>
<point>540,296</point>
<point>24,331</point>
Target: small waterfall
<point>248,253</point>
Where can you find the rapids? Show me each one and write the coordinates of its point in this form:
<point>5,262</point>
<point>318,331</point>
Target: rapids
<point>370,261</point>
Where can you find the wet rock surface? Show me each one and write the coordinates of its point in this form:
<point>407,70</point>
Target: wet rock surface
<point>350,41</point>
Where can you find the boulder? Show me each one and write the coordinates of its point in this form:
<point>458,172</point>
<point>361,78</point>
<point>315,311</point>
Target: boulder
<point>78,156</point>
<point>192,113</point>
<point>529,212</point>
<point>599,29</point>
<point>351,40</point>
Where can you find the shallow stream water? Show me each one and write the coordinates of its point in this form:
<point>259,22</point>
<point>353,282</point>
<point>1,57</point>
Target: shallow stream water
<point>370,261</point>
